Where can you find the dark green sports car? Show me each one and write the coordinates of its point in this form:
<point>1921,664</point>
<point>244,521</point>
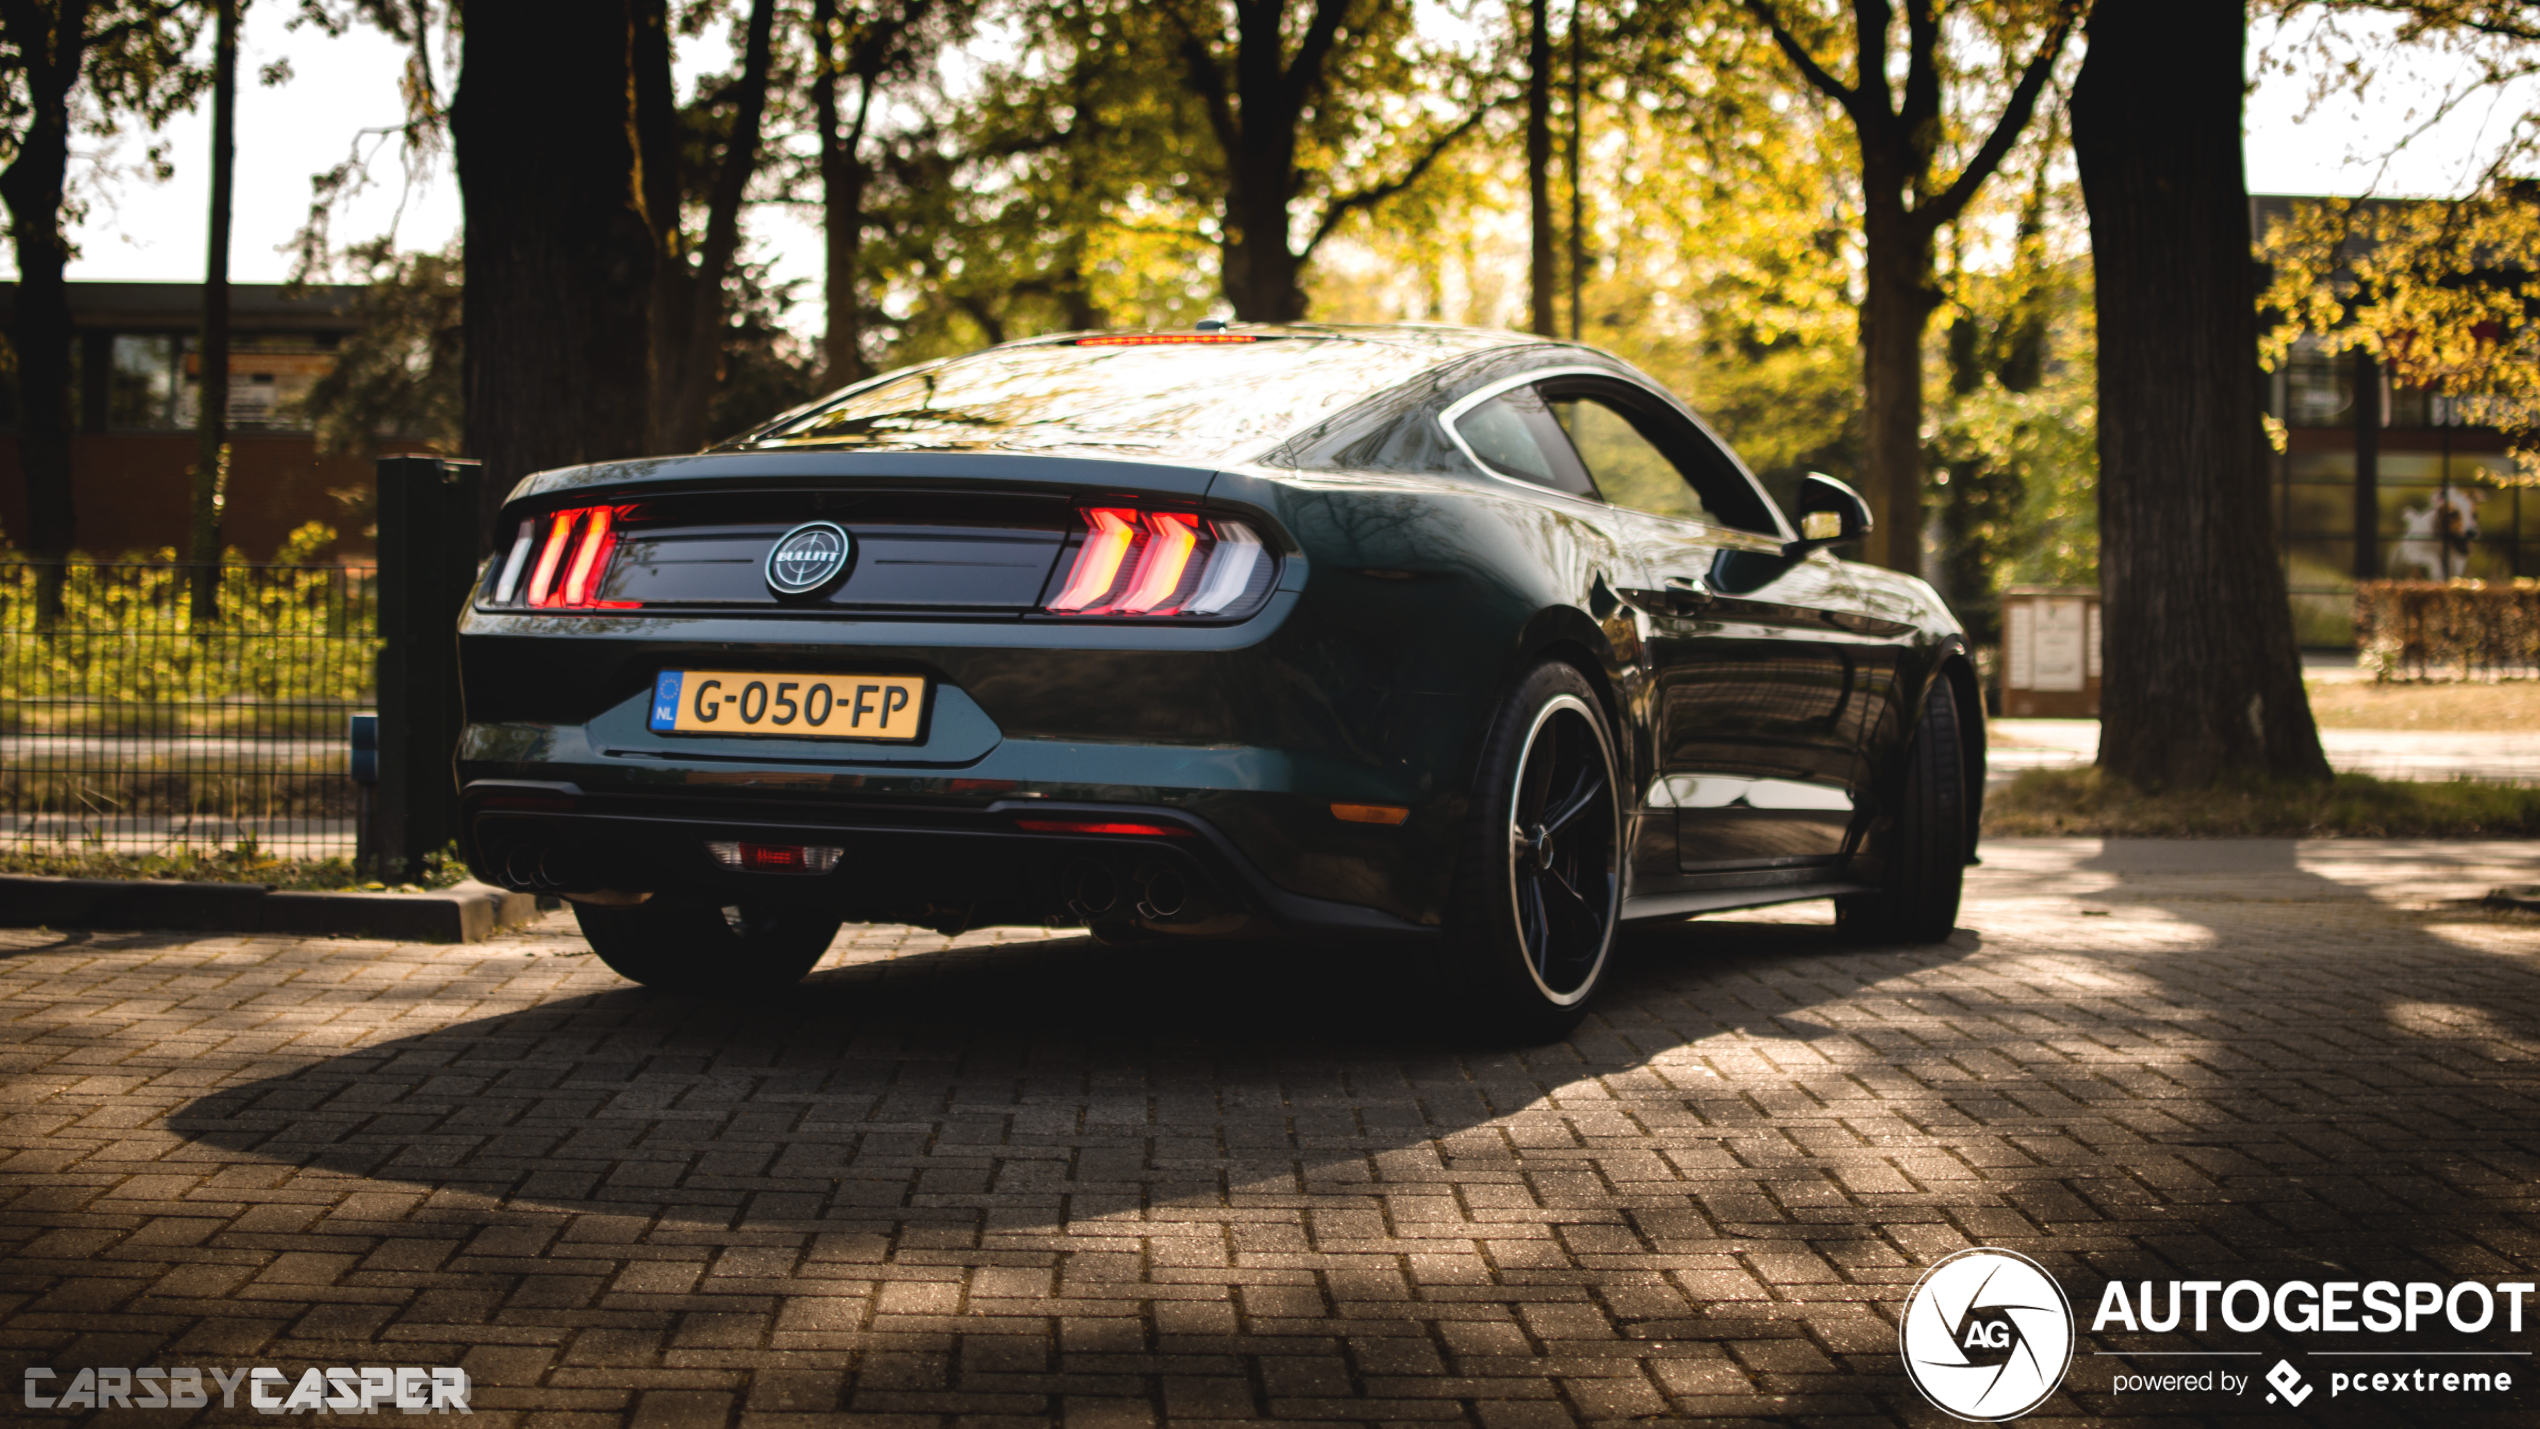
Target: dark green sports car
<point>1476,643</point>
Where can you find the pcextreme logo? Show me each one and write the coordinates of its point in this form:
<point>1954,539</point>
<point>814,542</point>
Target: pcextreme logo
<point>1987,1335</point>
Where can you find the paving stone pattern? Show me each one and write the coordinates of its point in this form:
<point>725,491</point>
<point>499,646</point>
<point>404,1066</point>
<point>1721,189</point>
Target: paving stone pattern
<point>1009,1179</point>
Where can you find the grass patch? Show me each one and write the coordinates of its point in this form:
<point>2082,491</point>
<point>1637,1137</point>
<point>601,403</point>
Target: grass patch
<point>2434,707</point>
<point>2084,802</point>
<point>245,863</point>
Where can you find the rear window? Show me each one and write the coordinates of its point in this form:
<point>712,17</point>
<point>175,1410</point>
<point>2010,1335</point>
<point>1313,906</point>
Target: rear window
<point>1210,401</point>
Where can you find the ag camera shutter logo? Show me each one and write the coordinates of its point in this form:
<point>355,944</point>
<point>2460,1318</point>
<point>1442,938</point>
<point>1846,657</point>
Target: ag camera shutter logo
<point>1987,1335</point>
<point>808,558</point>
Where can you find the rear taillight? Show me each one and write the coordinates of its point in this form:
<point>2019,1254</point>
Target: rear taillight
<point>1130,562</point>
<point>560,561</point>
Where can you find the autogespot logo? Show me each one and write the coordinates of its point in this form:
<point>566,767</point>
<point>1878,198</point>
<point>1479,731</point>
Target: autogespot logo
<point>1987,1335</point>
<point>808,558</point>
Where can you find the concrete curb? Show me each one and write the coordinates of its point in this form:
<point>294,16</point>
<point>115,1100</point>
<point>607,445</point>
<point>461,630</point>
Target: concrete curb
<point>469,913</point>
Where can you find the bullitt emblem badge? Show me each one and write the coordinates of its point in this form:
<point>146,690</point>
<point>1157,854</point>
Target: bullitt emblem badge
<point>808,559</point>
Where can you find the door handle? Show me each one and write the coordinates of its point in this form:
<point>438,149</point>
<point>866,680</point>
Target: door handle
<point>1689,590</point>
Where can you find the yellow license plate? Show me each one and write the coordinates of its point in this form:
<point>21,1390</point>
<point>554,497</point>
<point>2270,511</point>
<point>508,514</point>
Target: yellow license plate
<point>795,706</point>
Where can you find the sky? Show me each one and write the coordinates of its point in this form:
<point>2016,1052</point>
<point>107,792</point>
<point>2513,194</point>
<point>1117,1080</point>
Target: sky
<point>140,230</point>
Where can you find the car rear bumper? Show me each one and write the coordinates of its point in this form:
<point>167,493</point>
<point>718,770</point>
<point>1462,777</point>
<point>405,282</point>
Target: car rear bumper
<point>1004,860</point>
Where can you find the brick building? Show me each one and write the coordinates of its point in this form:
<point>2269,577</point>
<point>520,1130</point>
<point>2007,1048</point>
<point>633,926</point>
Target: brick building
<point>136,376</point>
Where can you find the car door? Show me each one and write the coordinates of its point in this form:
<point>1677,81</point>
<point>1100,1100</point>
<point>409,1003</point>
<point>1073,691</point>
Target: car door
<point>1762,693</point>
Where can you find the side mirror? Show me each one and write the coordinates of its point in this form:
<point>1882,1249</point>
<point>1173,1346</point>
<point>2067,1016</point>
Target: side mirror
<point>1830,513</point>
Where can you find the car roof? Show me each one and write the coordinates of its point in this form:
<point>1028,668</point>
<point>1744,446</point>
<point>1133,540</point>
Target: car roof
<point>1215,394</point>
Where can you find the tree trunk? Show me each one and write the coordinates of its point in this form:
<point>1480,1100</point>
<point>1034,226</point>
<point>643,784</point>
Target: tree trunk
<point>701,356</point>
<point>1540,279</point>
<point>657,151</point>
<point>841,205</point>
<point>1259,268</point>
<point>32,187</point>
<point>211,449</point>
<point>1578,190</point>
<point>1897,300</point>
<point>2202,679</point>
<point>559,254</point>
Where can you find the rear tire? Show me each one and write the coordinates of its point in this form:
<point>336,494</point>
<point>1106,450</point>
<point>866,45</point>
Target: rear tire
<point>1538,890</point>
<point>708,951</point>
<point>1927,843</point>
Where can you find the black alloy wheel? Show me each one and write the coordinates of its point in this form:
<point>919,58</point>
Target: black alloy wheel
<point>730,952</point>
<point>1540,889</point>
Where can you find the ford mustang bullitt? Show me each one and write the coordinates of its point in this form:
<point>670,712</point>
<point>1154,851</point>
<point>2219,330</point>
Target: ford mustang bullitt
<point>1478,645</point>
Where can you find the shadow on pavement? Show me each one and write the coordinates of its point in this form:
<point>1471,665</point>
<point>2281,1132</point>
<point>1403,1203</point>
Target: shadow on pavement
<point>1241,1066</point>
<point>2197,1087</point>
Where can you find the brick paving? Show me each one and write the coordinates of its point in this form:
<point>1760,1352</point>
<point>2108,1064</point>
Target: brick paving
<point>1012,1179</point>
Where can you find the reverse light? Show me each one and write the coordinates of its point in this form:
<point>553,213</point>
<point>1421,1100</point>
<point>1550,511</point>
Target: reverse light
<point>773,858</point>
<point>1131,562</point>
<point>572,551</point>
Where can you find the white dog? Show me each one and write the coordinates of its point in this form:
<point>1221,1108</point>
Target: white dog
<point>2434,539</point>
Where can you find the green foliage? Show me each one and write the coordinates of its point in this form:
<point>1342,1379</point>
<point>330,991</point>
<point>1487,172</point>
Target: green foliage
<point>2086,802</point>
<point>242,862</point>
<point>2447,629</point>
<point>398,375</point>
<point>127,639</point>
<point>766,368</point>
<point>2440,290</point>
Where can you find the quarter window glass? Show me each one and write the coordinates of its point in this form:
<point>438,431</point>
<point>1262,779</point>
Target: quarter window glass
<point>1647,457</point>
<point>1627,467</point>
<point>1513,434</point>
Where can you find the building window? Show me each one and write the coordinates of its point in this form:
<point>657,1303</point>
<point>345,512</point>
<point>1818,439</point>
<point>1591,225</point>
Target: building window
<point>155,381</point>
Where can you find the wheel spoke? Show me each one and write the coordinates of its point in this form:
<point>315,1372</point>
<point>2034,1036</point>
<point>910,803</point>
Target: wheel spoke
<point>1586,922</point>
<point>1583,792</point>
<point>1536,928</point>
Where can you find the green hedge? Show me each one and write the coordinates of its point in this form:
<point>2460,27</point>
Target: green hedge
<point>2448,630</point>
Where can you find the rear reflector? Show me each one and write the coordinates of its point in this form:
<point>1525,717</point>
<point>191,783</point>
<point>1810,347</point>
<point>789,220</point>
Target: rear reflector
<point>534,803</point>
<point>1100,826</point>
<point>1131,562</point>
<point>1370,813</point>
<point>773,858</point>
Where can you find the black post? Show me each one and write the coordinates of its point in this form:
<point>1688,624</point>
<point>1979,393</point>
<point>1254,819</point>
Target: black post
<point>2367,466</point>
<point>427,567</point>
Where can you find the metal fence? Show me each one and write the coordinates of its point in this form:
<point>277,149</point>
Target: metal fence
<point>127,727</point>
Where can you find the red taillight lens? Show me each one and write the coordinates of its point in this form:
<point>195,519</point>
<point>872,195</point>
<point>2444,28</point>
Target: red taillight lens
<point>1110,535</point>
<point>1171,538</point>
<point>551,555</point>
<point>574,548</point>
<point>1159,563</point>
